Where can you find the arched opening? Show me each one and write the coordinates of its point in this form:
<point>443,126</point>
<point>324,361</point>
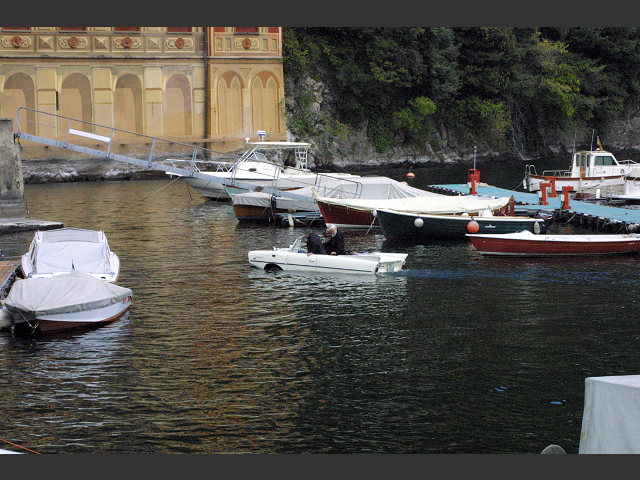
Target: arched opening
<point>178,118</point>
<point>19,91</point>
<point>128,104</point>
<point>265,104</point>
<point>230,105</point>
<point>75,101</point>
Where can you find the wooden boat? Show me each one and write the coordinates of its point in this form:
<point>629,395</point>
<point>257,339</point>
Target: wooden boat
<point>56,252</point>
<point>66,301</point>
<point>398,225</point>
<point>359,212</point>
<point>589,170</point>
<point>526,243</point>
<point>295,258</point>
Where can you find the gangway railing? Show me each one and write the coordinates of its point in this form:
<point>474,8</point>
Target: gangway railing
<point>151,159</point>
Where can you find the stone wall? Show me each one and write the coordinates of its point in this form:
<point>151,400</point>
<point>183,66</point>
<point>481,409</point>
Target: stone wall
<point>12,204</point>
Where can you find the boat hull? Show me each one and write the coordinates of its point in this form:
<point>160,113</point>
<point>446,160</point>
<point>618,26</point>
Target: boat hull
<point>556,245</point>
<point>345,217</point>
<point>406,226</point>
<point>75,320</point>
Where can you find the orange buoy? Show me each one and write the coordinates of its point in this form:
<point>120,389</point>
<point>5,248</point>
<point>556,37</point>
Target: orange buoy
<point>473,227</point>
<point>410,175</point>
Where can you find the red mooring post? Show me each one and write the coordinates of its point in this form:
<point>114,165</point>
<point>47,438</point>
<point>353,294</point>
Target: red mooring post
<point>552,193</point>
<point>543,190</point>
<point>474,177</point>
<point>565,191</point>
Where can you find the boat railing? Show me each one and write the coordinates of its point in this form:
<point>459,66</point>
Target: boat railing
<point>96,139</point>
<point>556,173</point>
<point>326,186</point>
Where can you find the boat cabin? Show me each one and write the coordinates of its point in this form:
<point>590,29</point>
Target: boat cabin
<point>598,163</point>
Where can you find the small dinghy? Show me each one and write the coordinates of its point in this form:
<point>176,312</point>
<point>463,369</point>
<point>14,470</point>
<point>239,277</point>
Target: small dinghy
<point>295,258</point>
<point>65,301</point>
<point>526,243</point>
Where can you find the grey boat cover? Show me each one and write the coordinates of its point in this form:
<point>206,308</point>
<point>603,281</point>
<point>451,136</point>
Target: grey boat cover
<point>374,187</point>
<point>66,293</point>
<point>86,250</point>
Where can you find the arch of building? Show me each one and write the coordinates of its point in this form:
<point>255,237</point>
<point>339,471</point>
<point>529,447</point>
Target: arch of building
<point>17,91</point>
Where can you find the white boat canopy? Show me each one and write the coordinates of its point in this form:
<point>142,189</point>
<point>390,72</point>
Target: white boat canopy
<point>374,187</point>
<point>68,293</point>
<point>426,205</point>
<point>86,251</point>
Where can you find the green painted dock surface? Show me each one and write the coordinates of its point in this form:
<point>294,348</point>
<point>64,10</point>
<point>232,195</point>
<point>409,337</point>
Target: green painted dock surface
<point>532,201</point>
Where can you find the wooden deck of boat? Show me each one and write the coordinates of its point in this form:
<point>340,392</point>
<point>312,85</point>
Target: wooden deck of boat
<point>589,211</point>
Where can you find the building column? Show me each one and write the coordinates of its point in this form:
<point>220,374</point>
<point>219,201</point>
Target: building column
<point>46,101</point>
<point>102,98</point>
<point>153,101</point>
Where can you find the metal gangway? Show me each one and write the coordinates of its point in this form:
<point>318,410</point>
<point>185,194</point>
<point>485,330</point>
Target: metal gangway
<point>159,154</point>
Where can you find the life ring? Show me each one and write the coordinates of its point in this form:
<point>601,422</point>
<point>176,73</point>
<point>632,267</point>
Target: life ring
<point>127,42</point>
<point>73,42</point>
<point>16,42</point>
<point>179,42</point>
<point>246,43</point>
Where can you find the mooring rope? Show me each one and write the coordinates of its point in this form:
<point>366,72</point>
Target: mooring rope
<point>19,446</point>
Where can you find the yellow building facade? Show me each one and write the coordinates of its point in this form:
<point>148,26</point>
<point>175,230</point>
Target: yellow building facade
<point>204,85</point>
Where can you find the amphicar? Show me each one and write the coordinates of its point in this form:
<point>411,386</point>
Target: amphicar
<point>295,257</point>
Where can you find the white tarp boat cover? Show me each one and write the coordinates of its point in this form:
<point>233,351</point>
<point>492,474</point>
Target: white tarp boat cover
<point>56,251</point>
<point>67,293</point>
<point>345,188</point>
<point>611,417</point>
<point>422,204</point>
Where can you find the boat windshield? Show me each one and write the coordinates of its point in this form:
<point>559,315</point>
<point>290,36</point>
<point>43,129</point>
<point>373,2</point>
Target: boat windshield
<point>258,157</point>
<point>295,246</point>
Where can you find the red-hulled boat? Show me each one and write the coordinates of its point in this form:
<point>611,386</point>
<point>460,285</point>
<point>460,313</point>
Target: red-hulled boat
<point>526,243</point>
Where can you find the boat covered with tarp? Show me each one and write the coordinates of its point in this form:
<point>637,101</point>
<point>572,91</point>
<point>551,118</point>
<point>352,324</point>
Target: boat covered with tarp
<point>361,212</point>
<point>65,301</point>
<point>60,251</point>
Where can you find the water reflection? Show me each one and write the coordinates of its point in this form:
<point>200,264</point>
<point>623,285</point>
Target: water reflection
<point>457,353</point>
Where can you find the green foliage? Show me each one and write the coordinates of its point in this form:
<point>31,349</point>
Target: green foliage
<point>415,121</point>
<point>494,86</point>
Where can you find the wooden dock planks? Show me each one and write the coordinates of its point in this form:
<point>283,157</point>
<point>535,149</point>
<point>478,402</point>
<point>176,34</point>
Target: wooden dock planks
<point>7,269</point>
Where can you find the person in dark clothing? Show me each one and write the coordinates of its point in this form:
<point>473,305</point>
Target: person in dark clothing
<point>314,244</point>
<point>335,244</point>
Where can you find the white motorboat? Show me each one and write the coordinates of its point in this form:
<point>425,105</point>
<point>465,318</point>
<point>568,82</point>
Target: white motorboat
<point>295,258</point>
<point>590,170</point>
<point>65,302</point>
<point>57,252</point>
<point>255,168</point>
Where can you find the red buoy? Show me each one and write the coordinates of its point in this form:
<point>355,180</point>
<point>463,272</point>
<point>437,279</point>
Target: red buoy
<point>410,175</point>
<point>473,227</point>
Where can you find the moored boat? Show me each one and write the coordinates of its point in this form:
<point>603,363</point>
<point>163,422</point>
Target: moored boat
<point>589,170</point>
<point>295,258</point>
<point>526,243</point>
<point>399,225</point>
<point>60,251</point>
<point>65,301</point>
<point>253,167</point>
<point>359,212</point>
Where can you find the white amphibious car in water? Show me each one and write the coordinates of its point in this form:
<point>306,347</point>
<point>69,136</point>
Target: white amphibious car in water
<point>295,257</point>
